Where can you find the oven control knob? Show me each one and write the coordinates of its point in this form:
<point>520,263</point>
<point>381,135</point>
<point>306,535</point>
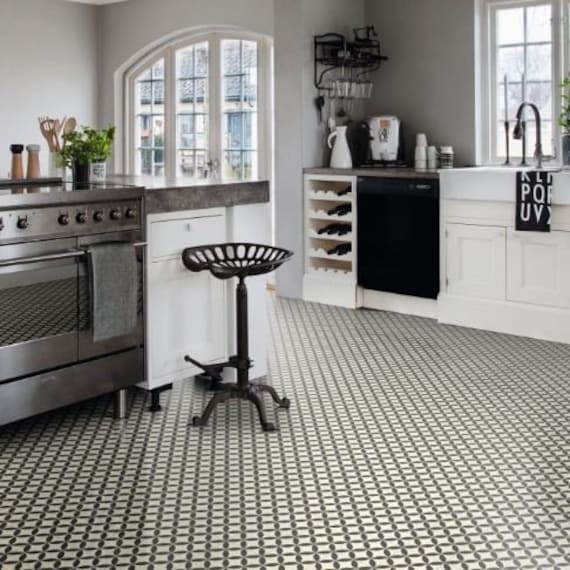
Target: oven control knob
<point>63,219</point>
<point>23,223</point>
<point>98,216</point>
<point>1,224</point>
<point>130,213</point>
<point>81,218</point>
<point>116,214</point>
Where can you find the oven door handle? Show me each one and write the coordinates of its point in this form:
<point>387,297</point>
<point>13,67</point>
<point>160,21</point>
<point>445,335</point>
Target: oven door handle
<point>53,256</point>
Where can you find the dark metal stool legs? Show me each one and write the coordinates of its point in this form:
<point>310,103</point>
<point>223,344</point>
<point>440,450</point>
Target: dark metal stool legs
<point>243,390</point>
<point>225,261</point>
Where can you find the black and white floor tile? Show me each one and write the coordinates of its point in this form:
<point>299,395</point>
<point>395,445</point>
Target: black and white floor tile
<point>408,445</point>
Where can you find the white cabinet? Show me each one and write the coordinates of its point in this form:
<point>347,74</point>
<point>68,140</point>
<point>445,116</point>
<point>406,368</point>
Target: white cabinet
<point>475,261</point>
<point>538,268</point>
<point>330,242</point>
<point>186,312</point>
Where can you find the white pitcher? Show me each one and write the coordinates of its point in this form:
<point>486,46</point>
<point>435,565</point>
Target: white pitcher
<point>341,157</point>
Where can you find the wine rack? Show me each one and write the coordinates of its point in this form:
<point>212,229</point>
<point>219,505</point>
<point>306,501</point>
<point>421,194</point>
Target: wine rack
<point>330,244</point>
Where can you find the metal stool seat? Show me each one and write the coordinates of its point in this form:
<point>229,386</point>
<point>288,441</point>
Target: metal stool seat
<point>225,261</point>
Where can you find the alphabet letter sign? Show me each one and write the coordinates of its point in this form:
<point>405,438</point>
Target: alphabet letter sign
<point>534,201</point>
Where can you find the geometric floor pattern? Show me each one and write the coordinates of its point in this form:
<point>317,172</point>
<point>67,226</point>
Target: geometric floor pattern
<point>408,445</point>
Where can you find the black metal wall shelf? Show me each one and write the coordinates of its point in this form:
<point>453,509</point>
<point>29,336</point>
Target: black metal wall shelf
<point>334,51</point>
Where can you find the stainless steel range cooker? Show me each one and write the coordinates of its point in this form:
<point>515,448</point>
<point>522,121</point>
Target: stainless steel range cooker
<point>48,357</point>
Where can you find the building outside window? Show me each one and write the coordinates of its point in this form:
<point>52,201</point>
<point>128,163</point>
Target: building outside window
<point>200,108</point>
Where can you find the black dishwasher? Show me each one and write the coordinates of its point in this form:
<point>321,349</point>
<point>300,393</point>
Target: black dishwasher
<point>398,235</point>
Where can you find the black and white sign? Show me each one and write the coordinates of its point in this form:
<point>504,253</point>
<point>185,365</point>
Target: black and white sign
<point>534,201</point>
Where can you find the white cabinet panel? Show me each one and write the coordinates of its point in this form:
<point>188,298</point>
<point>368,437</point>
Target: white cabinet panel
<point>170,237</point>
<point>538,268</point>
<point>476,261</point>
<point>186,312</point>
<point>186,316</point>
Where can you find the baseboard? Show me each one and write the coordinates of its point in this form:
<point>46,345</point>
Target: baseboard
<point>336,292</point>
<point>544,323</point>
<point>403,304</point>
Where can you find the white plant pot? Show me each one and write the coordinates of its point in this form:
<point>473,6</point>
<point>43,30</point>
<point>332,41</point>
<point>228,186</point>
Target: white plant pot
<point>97,172</point>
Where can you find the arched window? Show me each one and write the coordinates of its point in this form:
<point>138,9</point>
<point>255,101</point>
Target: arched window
<point>200,108</point>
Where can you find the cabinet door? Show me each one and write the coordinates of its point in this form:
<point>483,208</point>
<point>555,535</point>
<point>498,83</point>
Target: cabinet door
<point>186,316</point>
<point>476,261</point>
<point>538,268</point>
<point>186,312</point>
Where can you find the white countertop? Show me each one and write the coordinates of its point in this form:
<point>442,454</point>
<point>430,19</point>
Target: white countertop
<point>496,184</point>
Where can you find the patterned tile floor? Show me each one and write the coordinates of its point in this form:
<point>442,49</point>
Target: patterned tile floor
<point>408,446</point>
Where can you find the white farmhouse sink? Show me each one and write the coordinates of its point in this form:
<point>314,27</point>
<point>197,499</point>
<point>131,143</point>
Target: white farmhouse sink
<point>496,183</point>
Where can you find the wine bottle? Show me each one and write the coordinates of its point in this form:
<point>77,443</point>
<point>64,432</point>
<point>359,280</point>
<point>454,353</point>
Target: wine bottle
<point>341,210</point>
<point>341,249</point>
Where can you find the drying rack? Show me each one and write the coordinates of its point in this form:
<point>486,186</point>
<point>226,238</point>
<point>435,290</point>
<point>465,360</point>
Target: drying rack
<point>334,51</point>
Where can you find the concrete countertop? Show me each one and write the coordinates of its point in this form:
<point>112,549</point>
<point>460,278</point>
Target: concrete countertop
<point>164,194</point>
<point>161,194</point>
<point>375,172</point>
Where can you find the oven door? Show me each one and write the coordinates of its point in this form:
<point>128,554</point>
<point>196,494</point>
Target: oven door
<point>87,347</point>
<point>38,308</point>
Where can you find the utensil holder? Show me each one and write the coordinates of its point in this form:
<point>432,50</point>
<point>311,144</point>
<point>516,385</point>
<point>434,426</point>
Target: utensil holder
<point>54,170</point>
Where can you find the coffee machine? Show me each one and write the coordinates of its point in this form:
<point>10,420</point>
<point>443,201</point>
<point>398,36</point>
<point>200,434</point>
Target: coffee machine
<point>385,139</point>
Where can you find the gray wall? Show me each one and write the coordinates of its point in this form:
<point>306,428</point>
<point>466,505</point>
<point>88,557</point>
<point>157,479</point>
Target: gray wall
<point>298,137</point>
<point>48,67</point>
<point>127,28</point>
<point>429,81</point>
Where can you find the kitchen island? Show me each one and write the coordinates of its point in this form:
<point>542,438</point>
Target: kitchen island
<point>492,276</point>
<point>193,313</point>
<point>180,312</point>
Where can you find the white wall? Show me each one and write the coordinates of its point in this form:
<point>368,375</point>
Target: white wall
<point>298,137</point>
<point>48,67</point>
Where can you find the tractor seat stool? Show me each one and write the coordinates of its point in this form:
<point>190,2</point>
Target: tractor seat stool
<point>241,260</point>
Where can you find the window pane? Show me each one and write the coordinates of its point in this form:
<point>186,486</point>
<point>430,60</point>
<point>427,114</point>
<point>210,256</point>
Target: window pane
<point>192,110</point>
<point>510,62</point>
<point>240,100</point>
<point>249,165</point>
<point>514,97</point>
<point>541,95</point>
<point>538,22</point>
<point>539,62</point>
<point>232,169</point>
<point>150,120</point>
<point>510,26</point>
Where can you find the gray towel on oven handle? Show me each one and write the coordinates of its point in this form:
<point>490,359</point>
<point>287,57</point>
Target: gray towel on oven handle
<point>114,285</point>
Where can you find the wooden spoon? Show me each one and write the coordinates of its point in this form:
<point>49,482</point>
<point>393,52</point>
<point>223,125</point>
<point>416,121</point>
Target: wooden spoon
<point>69,127</point>
<point>47,132</point>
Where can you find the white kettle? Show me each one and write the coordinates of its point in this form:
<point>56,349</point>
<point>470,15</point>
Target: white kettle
<point>340,157</point>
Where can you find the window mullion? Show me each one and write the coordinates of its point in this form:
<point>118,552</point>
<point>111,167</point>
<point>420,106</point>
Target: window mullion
<point>170,113</point>
<point>215,111</point>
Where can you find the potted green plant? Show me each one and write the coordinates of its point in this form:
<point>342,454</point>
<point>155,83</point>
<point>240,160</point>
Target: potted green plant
<point>101,145</point>
<point>564,121</point>
<point>85,151</point>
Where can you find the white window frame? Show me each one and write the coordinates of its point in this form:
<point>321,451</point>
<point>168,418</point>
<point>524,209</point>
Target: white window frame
<point>487,144</point>
<point>168,53</point>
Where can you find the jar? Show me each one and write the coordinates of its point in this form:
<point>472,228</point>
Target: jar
<point>446,157</point>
